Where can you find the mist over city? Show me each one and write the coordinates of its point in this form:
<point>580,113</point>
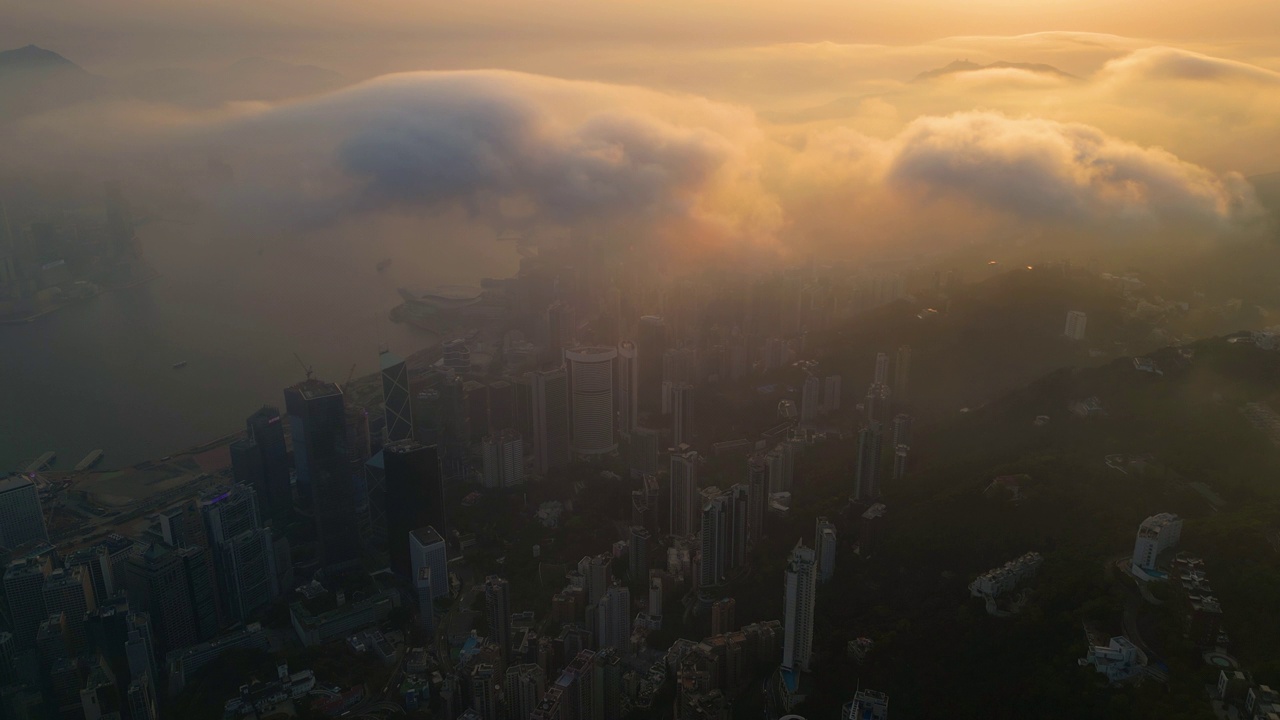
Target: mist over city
<point>606,361</point>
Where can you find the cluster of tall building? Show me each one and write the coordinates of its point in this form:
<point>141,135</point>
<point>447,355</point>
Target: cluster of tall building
<point>884,395</point>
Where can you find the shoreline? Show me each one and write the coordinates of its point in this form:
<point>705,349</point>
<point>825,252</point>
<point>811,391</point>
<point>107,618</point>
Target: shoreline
<point>102,290</point>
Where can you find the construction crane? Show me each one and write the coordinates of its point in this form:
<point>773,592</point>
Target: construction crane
<point>305,367</point>
<point>351,374</point>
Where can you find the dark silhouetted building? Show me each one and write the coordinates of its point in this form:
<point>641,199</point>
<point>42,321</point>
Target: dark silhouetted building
<point>414,497</point>
<point>317,417</point>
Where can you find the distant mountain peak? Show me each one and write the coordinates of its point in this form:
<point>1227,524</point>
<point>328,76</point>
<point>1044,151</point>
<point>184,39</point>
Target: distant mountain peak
<point>962,66</point>
<point>33,57</point>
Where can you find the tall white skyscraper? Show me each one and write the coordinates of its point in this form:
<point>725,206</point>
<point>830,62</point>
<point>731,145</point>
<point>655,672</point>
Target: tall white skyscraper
<point>801,591</point>
<point>824,545</point>
<point>21,518</point>
<point>591,399</point>
<point>882,369</point>
<point>627,385</point>
<point>1076,322</point>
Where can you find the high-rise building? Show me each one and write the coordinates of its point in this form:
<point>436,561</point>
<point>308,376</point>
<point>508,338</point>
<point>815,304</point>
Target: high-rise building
<point>810,400</point>
<point>714,540</point>
<point>549,395</point>
<point>1076,322</point>
<point>414,497</point>
<point>70,592</point>
<point>396,398</point>
<point>902,429</point>
<point>722,616</point>
<point>651,347</point>
<point>901,455</point>
<point>317,417</point>
<point>831,394</point>
<point>485,689</point>
<point>682,416</point>
<point>96,560</point>
<point>497,606</point>
<point>503,456</point>
<point>160,583</point>
<point>639,554</point>
<point>882,369</point>
<point>522,689</point>
<point>243,551</point>
<point>613,619</point>
<point>502,406</point>
<point>591,389</point>
<point>685,500</point>
<point>902,372</point>
<point>654,607</point>
<point>1156,534</point>
<point>801,592</point>
<point>426,600</point>
<point>824,545</point>
<point>21,518</point>
<point>626,387</point>
<point>427,550</point>
<point>24,590</point>
<point>739,522</point>
<point>266,435</point>
<point>867,477</point>
<point>758,498</point>
<point>375,485</point>
<point>597,570</point>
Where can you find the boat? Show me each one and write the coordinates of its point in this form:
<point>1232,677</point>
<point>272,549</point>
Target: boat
<point>42,462</point>
<point>180,364</point>
<point>383,264</point>
<point>90,460</point>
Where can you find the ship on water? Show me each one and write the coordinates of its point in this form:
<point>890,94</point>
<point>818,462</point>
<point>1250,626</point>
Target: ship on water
<point>90,460</point>
<point>180,364</point>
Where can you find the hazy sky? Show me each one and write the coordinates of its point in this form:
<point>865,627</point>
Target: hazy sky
<point>741,124</point>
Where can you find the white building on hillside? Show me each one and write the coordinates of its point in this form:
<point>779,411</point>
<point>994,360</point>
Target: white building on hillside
<point>1155,535</point>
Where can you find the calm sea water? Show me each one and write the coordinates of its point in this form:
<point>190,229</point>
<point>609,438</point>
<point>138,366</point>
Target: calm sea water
<point>100,375</point>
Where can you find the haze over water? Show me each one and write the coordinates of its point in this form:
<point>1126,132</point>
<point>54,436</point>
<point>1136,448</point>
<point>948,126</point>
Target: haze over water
<point>102,372</point>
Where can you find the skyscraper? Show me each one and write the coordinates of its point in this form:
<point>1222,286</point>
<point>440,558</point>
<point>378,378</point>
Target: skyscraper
<point>714,541</point>
<point>21,518</point>
<point>801,591</point>
<point>70,592</point>
<point>503,459</point>
<point>613,619</point>
<point>414,497</point>
<point>24,590</point>
<point>902,372</point>
<point>682,428</point>
<point>275,496</point>
<point>824,545</point>
<point>1076,322</point>
<point>867,478</point>
<point>158,584</point>
<point>550,418</point>
<point>591,389</point>
<point>902,429</point>
<point>831,394</point>
<point>375,484</point>
<point>651,346</point>
<point>522,689</point>
<point>397,407</point>
<point>810,400</point>
<point>627,386</point>
<point>243,552</point>
<point>638,552</point>
<point>758,498</point>
<point>901,455</point>
<point>882,369</point>
<point>685,499</point>
<point>497,605</point>
<point>722,616</point>
<point>739,520</point>
<point>317,416</point>
<point>427,550</point>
